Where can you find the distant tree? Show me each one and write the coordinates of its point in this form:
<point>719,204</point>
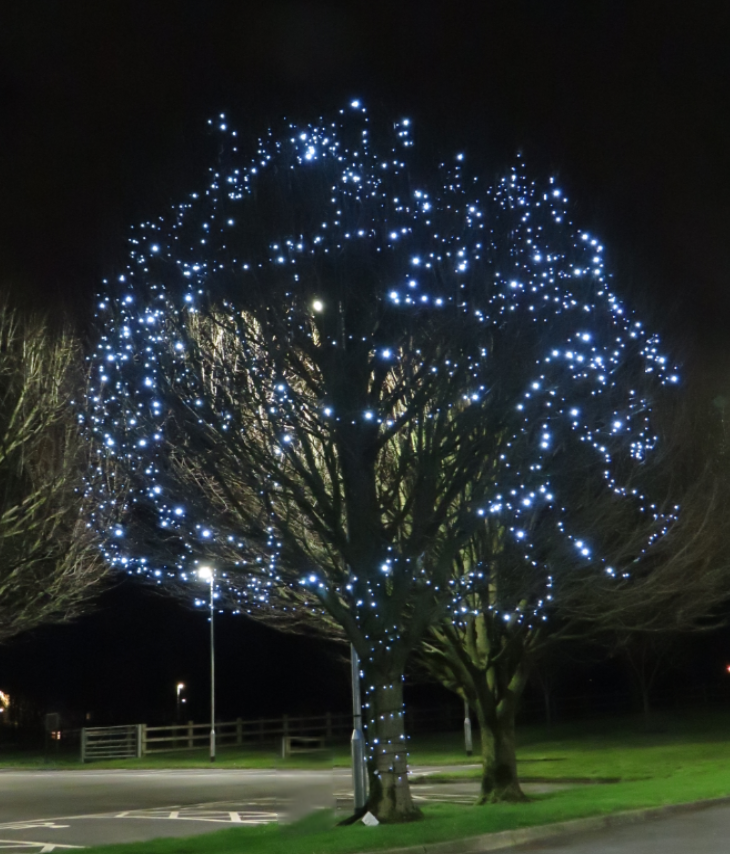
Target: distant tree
<point>355,390</point>
<point>647,656</point>
<point>50,560</point>
<point>552,669</point>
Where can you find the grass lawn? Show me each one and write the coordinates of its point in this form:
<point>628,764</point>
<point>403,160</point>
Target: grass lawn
<point>617,749</point>
<point>227,757</point>
<point>684,758</point>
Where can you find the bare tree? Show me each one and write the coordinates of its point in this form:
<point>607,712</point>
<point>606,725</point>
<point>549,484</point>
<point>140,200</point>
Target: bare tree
<point>50,561</point>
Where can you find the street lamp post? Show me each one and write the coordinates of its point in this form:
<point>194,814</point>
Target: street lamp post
<point>357,743</point>
<point>208,574</point>
<point>178,705</point>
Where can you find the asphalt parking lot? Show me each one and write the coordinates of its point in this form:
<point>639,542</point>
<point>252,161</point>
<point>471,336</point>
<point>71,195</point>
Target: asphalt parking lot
<point>45,811</point>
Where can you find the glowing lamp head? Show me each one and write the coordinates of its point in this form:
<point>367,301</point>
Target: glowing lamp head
<point>318,305</point>
<point>206,573</point>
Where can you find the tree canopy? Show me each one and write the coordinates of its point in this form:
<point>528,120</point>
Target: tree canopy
<point>334,372</point>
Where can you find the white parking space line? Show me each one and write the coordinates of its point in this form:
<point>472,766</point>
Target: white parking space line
<point>29,825</point>
<point>213,812</point>
<point>202,814</point>
<point>218,813</point>
<point>33,847</point>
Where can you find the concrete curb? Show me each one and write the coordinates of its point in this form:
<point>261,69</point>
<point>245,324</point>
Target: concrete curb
<point>522,836</point>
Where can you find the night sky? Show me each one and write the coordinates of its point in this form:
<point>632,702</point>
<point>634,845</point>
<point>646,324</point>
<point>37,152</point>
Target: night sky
<point>103,123</point>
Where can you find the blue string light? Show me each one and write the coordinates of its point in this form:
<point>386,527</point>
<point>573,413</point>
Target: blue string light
<point>553,347</point>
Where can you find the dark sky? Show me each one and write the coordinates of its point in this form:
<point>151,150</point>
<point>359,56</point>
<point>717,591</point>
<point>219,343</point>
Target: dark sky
<point>103,109</point>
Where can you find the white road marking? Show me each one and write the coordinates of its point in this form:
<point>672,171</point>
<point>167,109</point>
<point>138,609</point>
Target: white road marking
<point>38,847</point>
<point>215,812</point>
<point>445,798</point>
<point>29,825</point>
<point>202,814</point>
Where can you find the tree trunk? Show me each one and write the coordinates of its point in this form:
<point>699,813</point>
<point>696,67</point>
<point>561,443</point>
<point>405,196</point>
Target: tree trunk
<point>499,757</point>
<point>390,795</point>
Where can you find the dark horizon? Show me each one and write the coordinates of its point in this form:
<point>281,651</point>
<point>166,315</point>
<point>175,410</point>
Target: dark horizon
<point>120,664</point>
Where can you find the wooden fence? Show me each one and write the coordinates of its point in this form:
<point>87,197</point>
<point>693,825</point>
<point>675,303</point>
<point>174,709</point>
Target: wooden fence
<point>239,733</point>
<point>333,728</point>
<point>328,729</point>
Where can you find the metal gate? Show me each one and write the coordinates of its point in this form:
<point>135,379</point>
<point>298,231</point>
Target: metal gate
<point>111,742</point>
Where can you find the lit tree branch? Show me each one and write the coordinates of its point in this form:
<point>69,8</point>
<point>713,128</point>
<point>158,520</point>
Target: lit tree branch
<point>50,561</point>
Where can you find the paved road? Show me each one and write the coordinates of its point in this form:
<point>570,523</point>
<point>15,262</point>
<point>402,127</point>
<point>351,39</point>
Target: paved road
<point>705,831</point>
<point>59,809</point>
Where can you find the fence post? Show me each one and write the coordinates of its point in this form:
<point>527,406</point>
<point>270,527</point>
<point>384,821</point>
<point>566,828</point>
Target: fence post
<point>141,740</point>
<point>190,733</point>
<point>285,725</point>
<point>239,732</point>
<point>83,745</point>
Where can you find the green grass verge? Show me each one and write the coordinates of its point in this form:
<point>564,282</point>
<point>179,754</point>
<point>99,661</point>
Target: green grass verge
<point>617,749</point>
<point>227,757</point>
